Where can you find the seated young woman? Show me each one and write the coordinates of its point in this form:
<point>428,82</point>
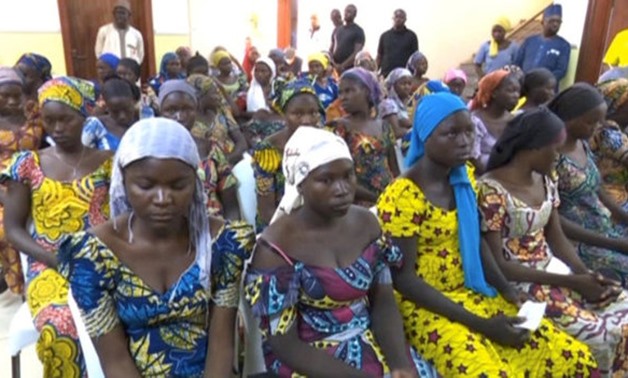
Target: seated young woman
<point>178,101</point>
<point>520,222</point>
<point>157,285</point>
<point>103,132</point>
<point>320,282</point>
<point>459,312</point>
<point>370,138</point>
<point>589,216</point>
<point>609,142</point>
<point>300,106</point>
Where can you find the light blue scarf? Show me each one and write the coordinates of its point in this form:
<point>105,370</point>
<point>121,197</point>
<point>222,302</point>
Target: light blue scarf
<point>431,111</point>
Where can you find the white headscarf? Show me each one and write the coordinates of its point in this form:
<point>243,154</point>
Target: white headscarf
<point>307,149</point>
<point>162,138</point>
<point>255,98</point>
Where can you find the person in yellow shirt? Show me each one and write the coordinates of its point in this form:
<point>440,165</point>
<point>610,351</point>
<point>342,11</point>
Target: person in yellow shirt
<point>617,53</point>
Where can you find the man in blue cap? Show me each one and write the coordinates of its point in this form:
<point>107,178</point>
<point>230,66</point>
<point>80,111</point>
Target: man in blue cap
<point>547,50</point>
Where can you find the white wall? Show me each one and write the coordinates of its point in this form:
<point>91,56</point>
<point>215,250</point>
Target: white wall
<point>229,23</point>
<point>449,31</point>
<point>574,17</point>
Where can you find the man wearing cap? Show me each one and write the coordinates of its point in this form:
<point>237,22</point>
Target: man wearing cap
<point>547,50</point>
<point>119,37</point>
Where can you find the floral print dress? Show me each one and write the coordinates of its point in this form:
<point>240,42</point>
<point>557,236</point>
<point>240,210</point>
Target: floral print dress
<point>329,306</point>
<point>167,332</point>
<point>453,348</point>
<point>578,187</point>
<point>27,137</point>
<point>269,178</point>
<point>609,145</point>
<point>370,155</point>
<point>57,210</point>
<point>522,228</point>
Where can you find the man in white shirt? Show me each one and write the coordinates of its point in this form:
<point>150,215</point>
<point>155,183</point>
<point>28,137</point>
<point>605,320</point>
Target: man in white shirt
<point>119,37</point>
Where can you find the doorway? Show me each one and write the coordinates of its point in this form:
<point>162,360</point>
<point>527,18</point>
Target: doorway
<point>80,21</point>
<point>604,19</point>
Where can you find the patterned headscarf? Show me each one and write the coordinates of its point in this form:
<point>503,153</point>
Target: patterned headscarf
<point>367,79</point>
<point>291,90</point>
<point>76,93</point>
<point>162,138</point>
<point>615,93</point>
<point>207,85</point>
<point>486,87</point>
<point>307,149</point>
<point>39,62</point>
<point>9,75</point>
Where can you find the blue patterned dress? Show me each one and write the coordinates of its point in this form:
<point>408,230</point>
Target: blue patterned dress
<point>578,188</point>
<point>329,306</point>
<point>167,332</point>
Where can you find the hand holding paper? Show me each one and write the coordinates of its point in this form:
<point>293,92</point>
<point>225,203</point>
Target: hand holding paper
<point>533,312</point>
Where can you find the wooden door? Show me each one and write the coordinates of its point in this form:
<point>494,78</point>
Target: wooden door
<point>80,21</point>
<point>618,21</point>
<point>604,19</point>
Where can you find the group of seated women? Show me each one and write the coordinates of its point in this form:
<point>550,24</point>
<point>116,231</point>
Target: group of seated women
<point>501,201</point>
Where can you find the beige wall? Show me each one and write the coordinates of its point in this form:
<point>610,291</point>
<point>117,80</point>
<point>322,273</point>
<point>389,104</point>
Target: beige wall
<point>13,45</point>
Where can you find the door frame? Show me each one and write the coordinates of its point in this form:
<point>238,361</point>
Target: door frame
<point>146,29</point>
<point>594,40</point>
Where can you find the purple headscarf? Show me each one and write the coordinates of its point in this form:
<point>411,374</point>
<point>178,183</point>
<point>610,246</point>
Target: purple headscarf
<point>368,79</point>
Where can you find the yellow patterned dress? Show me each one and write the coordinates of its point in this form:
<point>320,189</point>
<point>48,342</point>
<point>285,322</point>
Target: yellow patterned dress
<point>167,332</point>
<point>27,137</point>
<point>57,209</point>
<point>452,348</point>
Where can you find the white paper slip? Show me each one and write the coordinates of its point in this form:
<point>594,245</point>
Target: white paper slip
<point>556,266</point>
<point>533,312</point>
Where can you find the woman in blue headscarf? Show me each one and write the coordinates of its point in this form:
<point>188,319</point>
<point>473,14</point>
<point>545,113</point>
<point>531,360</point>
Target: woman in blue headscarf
<point>458,318</point>
<point>169,69</point>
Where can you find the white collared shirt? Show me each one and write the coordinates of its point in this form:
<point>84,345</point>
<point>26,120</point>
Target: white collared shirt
<point>108,41</point>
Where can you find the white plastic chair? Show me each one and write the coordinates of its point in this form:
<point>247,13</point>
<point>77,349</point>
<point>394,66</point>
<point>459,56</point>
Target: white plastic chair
<point>22,332</point>
<point>400,159</point>
<point>92,362</point>
<point>247,198</point>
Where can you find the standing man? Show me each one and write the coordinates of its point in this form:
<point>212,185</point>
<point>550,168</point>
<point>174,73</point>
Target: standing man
<point>119,37</point>
<point>349,40</point>
<point>396,45</point>
<point>547,50</point>
<point>336,19</point>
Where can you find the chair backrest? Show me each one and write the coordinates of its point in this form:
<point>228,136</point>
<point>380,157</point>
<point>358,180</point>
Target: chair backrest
<point>92,362</point>
<point>247,196</point>
<point>400,159</point>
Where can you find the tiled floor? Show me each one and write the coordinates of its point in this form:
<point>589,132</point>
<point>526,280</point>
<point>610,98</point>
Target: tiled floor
<point>31,367</point>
